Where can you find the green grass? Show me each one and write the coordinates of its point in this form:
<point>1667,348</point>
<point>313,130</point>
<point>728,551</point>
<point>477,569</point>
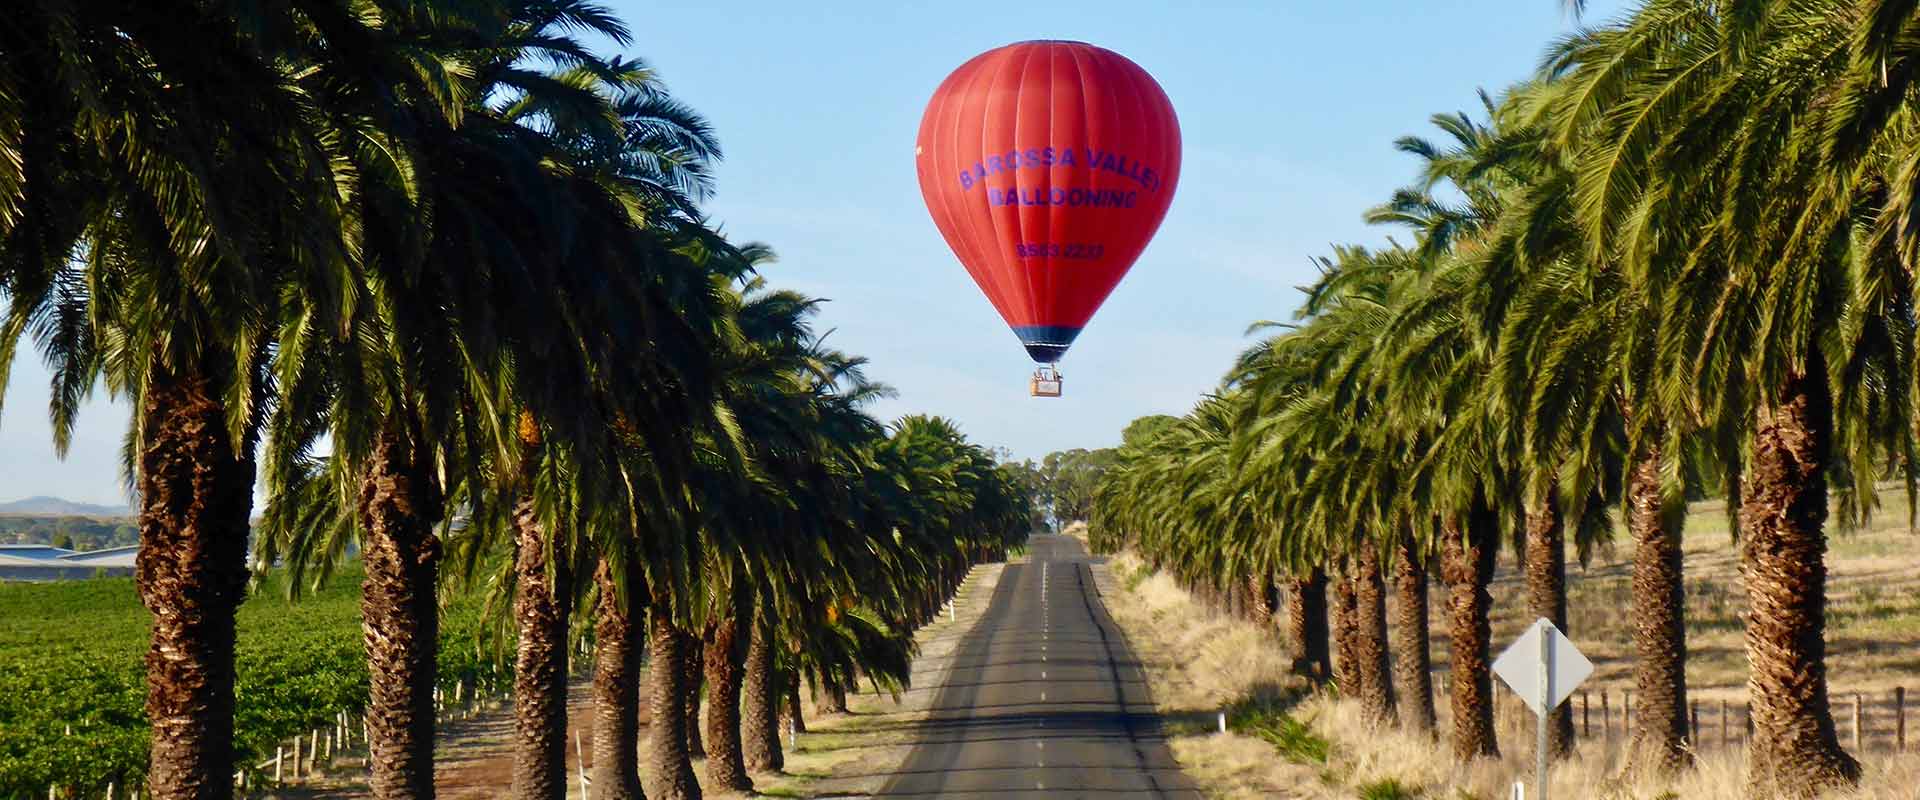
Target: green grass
<point>1269,719</point>
<point>73,654</point>
<point>1389,789</point>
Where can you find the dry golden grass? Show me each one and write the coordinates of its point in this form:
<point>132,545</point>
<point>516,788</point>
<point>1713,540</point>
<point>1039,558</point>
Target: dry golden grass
<point>1873,620</point>
<point>1199,661</point>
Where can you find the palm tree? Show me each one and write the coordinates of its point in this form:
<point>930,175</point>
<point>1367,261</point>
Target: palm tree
<point>432,349</point>
<point>1307,626</point>
<point>669,762</point>
<point>1316,393</point>
<point>1413,654</point>
<point>760,711</point>
<point>637,339</point>
<point>1781,308</point>
<point>162,271</point>
<point>1560,356</point>
<point>618,613</point>
<point>725,654</point>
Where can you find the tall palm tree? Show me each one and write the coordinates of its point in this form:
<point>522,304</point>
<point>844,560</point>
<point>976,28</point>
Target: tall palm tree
<point>1783,308</point>
<point>617,676</point>
<point>163,272</point>
<point>435,342</point>
<point>1412,653</point>
<point>1493,165</point>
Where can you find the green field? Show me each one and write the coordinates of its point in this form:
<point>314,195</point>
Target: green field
<point>71,655</point>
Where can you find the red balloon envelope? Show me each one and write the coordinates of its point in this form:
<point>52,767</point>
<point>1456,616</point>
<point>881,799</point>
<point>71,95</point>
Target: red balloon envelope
<point>1047,166</point>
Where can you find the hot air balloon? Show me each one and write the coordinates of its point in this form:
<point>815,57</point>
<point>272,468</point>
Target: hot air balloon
<point>1048,165</point>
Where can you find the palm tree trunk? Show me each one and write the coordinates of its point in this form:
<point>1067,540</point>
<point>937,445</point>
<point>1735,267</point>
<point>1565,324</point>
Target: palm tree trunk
<point>398,506</point>
<point>1258,611</point>
<point>1270,603</point>
<point>833,697</point>
<point>1466,562</point>
<point>543,596</point>
<point>795,719</point>
<point>196,493</point>
<point>1783,508</point>
<point>1413,658</point>
<point>668,761</point>
<point>1370,641</point>
<point>1307,627</point>
<point>1346,651</point>
<point>726,767</point>
<point>695,677</point>
<point>616,689</point>
<point>760,714</point>
<point>1659,621</point>
<point>1546,568</point>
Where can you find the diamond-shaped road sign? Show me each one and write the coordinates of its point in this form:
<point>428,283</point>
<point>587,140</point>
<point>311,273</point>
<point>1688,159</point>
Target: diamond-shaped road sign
<point>1520,666</point>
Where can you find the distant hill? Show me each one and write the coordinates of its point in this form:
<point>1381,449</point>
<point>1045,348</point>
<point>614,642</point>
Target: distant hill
<point>43,506</point>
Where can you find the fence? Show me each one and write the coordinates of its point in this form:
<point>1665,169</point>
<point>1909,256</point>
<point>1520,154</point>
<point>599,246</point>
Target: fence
<point>303,756</point>
<point>1865,722</point>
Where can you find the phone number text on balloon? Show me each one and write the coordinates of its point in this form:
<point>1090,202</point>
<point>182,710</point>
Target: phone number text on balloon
<point>1058,250</point>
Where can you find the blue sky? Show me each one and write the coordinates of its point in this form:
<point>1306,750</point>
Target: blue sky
<point>1288,112</point>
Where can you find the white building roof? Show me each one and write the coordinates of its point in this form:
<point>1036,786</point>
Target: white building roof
<point>33,551</point>
<point>104,557</point>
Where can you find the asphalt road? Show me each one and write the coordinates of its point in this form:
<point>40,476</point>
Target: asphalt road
<point>1043,699</point>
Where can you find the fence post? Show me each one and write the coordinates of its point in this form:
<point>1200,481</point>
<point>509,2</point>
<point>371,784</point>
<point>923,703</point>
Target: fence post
<point>586,792</point>
<point>1723,723</point>
<point>1626,713</point>
<point>1749,721</point>
<point>296,758</point>
<point>1856,722</point>
<point>1606,716</point>
<point>279,755</point>
<point>1900,718</point>
<point>1693,722</point>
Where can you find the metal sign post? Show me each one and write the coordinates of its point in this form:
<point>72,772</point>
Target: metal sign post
<point>1545,702</point>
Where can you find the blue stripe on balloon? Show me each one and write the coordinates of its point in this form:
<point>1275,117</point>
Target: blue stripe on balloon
<point>1046,343</point>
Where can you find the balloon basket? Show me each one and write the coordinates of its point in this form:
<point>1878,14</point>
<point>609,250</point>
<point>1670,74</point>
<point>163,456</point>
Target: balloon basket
<point>1045,382</point>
